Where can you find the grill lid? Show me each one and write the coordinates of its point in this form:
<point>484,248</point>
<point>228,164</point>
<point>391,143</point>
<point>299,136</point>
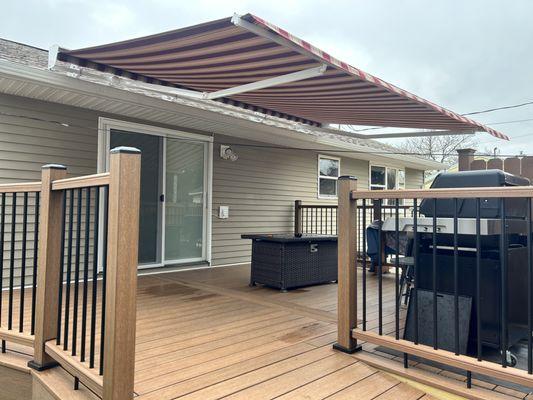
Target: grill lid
<point>466,208</point>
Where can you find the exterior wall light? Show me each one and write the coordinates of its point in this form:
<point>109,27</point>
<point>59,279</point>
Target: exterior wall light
<point>227,153</point>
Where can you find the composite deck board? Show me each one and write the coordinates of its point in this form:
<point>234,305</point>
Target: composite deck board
<point>205,334</point>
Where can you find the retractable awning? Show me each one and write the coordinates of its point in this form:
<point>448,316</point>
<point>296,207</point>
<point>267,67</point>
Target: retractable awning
<point>249,62</point>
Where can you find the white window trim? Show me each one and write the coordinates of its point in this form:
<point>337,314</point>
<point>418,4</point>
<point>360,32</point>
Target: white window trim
<point>398,169</point>
<point>325,196</point>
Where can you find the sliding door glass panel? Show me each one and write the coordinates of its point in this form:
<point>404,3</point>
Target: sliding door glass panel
<point>184,200</point>
<point>150,210</point>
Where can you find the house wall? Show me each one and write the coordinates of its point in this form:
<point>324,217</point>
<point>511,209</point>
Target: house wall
<point>259,188</point>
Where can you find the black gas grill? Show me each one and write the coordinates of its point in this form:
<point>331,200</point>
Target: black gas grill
<point>496,251</point>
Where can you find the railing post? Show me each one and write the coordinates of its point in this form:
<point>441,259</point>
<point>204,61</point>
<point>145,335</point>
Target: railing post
<point>121,286</point>
<point>347,266</point>
<point>49,259</point>
<point>297,217</point>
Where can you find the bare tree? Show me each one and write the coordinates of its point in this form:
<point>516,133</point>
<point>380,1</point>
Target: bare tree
<point>438,148</point>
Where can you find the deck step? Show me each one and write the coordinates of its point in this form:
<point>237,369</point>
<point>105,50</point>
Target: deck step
<point>15,360</point>
<point>58,384</point>
<point>15,378</point>
<point>430,379</point>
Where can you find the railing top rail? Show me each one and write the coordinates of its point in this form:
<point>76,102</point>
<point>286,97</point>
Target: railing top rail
<point>461,193</point>
<point>334,206</point>
<point>328,206</point>
<point>101,179</point>
<point>20,187</point>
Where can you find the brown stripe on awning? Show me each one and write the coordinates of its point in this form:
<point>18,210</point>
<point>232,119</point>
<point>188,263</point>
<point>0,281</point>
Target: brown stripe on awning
<point>227,53</point>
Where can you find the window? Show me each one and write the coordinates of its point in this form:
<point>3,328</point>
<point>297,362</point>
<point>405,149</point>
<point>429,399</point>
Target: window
<point>378,178</point>
<point>328,173</point>
<point>386,178</point>
<point>382,178</point>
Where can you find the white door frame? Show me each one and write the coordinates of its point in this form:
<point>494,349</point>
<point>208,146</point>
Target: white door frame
<point>104,134</point>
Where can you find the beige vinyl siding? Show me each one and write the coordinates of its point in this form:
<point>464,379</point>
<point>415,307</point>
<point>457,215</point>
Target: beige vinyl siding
<point>260,187</point>
<point>414,178</point>
<point>26,144</point>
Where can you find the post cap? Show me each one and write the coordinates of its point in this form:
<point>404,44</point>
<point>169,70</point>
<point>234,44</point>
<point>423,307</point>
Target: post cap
<point>350,177</point>
<point>53,166</point>
<point>125,149</point>
<point>466,151</point>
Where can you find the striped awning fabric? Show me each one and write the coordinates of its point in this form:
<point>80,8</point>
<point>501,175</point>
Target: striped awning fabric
<point>235,51</point>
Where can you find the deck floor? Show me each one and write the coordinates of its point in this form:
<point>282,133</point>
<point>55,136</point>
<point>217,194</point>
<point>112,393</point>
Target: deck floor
<point>205,334</point>
<point>218,338</point>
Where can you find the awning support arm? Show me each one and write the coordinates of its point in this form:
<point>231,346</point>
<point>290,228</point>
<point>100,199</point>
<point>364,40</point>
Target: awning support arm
<point>416,134</point>
<point>265,83</point>
<point>395,134</point>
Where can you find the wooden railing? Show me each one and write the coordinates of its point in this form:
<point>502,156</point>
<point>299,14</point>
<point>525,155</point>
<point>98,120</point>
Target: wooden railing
<point>438,255</point>
<point>83,303</point>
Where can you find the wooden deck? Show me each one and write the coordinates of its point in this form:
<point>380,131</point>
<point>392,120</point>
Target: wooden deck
<point>218,338</point>
<point>205,334</point>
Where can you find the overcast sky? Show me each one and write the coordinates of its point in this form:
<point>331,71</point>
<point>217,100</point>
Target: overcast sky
<point>464,55</point>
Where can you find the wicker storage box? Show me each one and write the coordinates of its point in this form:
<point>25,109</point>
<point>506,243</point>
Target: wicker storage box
<point>286,261</point>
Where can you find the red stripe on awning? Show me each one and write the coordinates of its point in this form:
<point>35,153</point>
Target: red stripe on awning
<point>220,55</point>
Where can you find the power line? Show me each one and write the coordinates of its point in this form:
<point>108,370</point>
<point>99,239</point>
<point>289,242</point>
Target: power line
<point>499,108</point>
<point>510,122</point>
<point>471,113</point>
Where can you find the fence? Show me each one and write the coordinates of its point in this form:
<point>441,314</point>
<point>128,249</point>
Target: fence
<point>470,251</point>
<point>83,299</point>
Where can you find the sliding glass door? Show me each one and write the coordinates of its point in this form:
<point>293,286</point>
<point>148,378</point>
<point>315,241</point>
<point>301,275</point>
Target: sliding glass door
<point>150,211</point>
<point>184,200</point>
<point>173,224</point>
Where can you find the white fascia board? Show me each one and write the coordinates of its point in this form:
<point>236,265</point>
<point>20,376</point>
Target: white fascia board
<point>265,83</point>
<point>120,82</point>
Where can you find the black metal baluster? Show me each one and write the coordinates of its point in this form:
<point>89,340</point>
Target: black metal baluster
<point>61,267</point>
<point>2,232</point>
<point>85,272</point>
<point>95,276</point>
<point>69,268</point>
<point>23,260</point>
<point>415,268</point>
<point>35,267</point>
<point>397,271</point>
<point>364,264</point>
<point>503,267</point>
<point>12,261</point>
<point>529,290</point>
<point>104,279</point>
<point>434,275</point>
<point>380,272</point>
<point>456,276</point>
<point>76,274</point>
<point>478,277</point>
